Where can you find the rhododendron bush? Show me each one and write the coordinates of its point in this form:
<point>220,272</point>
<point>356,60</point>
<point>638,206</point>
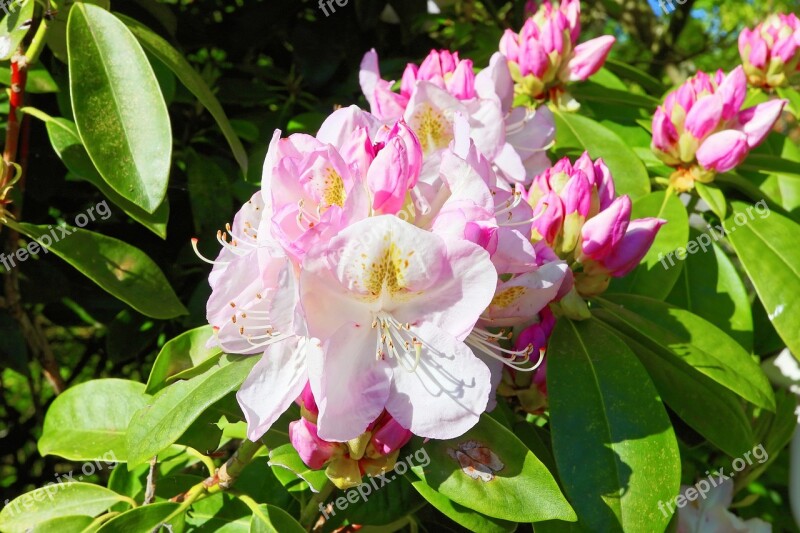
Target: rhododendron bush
<point>509,278</point>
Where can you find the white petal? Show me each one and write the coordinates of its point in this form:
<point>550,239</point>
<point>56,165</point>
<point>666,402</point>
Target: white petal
<point>446,394</point>
<point>274,383</point>
<point>349,384</point>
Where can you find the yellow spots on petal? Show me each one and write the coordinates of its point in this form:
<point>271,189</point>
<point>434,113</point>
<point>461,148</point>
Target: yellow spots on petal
<point>507,296</point>
<point>432,127</point>
<point>333,188</point>
<point>388,272</point>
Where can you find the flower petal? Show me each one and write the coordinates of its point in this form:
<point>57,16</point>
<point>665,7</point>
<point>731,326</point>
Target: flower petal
<point>446,394</point>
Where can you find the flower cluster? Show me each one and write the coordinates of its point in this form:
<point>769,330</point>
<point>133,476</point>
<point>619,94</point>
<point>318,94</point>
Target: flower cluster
<point>389,298</point>
<point>432,94</point>
<point>383,268</point>
<point>701,129</point>
<point>578,216</point>
<point>771,51</point>
<point>545,55</point>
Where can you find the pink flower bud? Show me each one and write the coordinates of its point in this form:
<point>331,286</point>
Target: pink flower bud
<point>589,57</point>
<point>637,241</point>
<point>314,451</point>
<point>603,232</point>
<point>390,436</point>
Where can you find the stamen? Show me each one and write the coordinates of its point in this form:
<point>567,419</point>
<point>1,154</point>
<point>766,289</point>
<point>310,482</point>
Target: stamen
<point>203,258</point>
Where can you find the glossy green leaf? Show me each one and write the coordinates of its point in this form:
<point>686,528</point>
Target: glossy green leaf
<point>53,501</point>
<point>793,96</point>
<point>510,484</point>
<point>171,411</point>
<point>771,164</point>
<point>122,270</point>
<point>722,419</point>
<point>714,197</point>
<point>576,131</point>
<point>185,351</point>
<point>63,524</point>
<point>656,276</point>
<point>210,195</point>
<point>192,80</point>
<point>625,71</point>
<point>219,513</point>
<point>56,37</point>
<point>271,519</point>
<point>292,472</point>
<point>678,334</point>
<point>592,92</point>
<point>14,26</point>
<point>461,515</point>
<point>141,519</point>
<point>767,248</point>
<point>616,452</point>
<point>119,110</point>
<point>369,507</point>
<point>88,421</point>
<point>67,144</point>
<point>710,287</point>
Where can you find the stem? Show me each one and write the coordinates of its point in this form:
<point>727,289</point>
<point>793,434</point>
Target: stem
<point>221,481</point>
<point>37,44</point>
<point>308,516</point>
<point>150,493</point>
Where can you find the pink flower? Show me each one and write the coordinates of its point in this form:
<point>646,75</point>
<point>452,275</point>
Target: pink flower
<point>545,54</point>
<point>392,304</point>
<point>444,86</point>
<point>771,51</point>
<point>701,129</point>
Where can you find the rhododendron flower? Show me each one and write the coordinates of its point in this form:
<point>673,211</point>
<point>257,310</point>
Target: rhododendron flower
<point>545,55</point>
<point>577,215</point>
<point>710,513</point>
<point>771,51</point>
<point>372,287</point>
<point>701,129</point>
<point>444,86</point>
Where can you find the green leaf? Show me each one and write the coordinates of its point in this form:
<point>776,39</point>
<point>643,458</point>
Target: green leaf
<point>714,197</point>
<point>292,472</point>
<point>653,277</point>
<point>592,92</point>
<point>53,501</point>
<point>625,71</point>
<point>271,519</point>
<point>14,26</point>
<point>122,270</point>
<point>63,524</point>
<point>185,351</point>
<point>510,484</point>
<point>140,519</point>
<point>771,164</point>
<point>161,423</point>
<point>88,422</point>
<point>67,144</point>
<point>680,335</point>
<point>767,248</point>
<point>118,107</point>
<point>192,80</point>
<point>56,37</point>
<point>613,443</point>
<point>219,513</point>
<point>794,99</point>
<point>576,131</point>
<point>710,287</point>
<point>369,507</point>
<point>461,515</point>
<point>722,419</point>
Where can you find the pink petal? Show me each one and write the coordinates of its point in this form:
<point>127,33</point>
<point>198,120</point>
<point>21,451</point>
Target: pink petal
<point>633,247</point>
<point>733,91</point>
<point>723,151</point>
<point>704,116</point>
<point>602,233</point>
<point>314,451</point>
<point>756,122</point>
<point>588,57</point>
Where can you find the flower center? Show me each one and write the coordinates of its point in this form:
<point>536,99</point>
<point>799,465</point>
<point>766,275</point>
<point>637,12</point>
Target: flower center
<point>396,340</point>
